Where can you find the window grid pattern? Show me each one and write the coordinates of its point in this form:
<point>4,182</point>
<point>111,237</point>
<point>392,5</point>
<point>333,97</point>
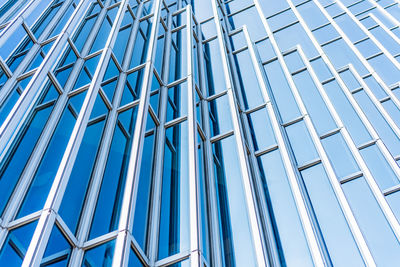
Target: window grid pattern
<point>181,133</point>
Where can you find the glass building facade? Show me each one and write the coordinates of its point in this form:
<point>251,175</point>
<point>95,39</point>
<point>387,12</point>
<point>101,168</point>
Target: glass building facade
<point>199,133</point>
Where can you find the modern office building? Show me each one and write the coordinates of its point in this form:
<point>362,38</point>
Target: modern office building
<point>199,133</point>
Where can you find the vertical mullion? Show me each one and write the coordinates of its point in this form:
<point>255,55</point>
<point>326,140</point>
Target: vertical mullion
<point>244,167</point>
<point>192,146</point>
<point>132,178</point>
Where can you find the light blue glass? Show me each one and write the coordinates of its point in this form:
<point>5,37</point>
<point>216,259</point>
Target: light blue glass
<point>340,155</point>
<point>220,116</point>
<point>315,105</point>
<point>236,240</point>
<point>248,81</point>
<point>261,129</point>
<point>384,246</point>
<point>282,93</point>
<point>379,167</point>
<point>301,143</point>
<point>391,140</point>
<point>347,113</point>
<point>336,232</point>
<point>291,241</point>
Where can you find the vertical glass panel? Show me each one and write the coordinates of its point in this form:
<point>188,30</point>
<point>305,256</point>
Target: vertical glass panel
<point>335,230</point>
<point>321,69</point>
<point>301,143</point>
<point>141,219</point>
<point>384,130</point>
<point>261,129</point>
<point>238,249</point>
<point>213,67</point>
<point>99,256</point>
<point>109,201</point>
<point>220,116</point>
<point>178,57</point>
<point>314,103</point>
<point>281,92</point>
<point>265,50</point>
<point>340,155</point>
<point>383,244</point>
<point>57,250</point>
<point>385,68</point>
<point>177,101</point>
<point>291,241</point>
<point>379,167</point>
<point>140,48</point>
<point>293,61</point>
<point>78,182</point>
<point>347,113</point>
<point>174,218</point>
<point>250,89</point>
<point>16,244</point>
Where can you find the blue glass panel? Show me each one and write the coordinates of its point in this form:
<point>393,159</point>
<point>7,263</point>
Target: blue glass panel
<point>109,201</point>
<point>383,244</point>
<point>238,249</point>
<point>335,230</point>
<point>314,103</point>
<point>254,27</point>
<point>177,101</point>
<point>250,88</point>
<point>78,182</point>
<point>340,155</point>
<point>301,143</point>
<point>121,42</point>
<point>220,116</point>
<point>291,241</point>
<point>134,259</point>
<point>341,55</point>
<point>83,33</point>
<point>57,250</point>
<point>99,256</point>
<point>379,167</point>
<point>388,136</point>
<point>213,68</point>
<point>174,217</point>
<point>347,113</point>
<point>12,167</point>
<point>16,245</point>
<point>281,92</point>
<point>261,129</point>
<point>141,215</point>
